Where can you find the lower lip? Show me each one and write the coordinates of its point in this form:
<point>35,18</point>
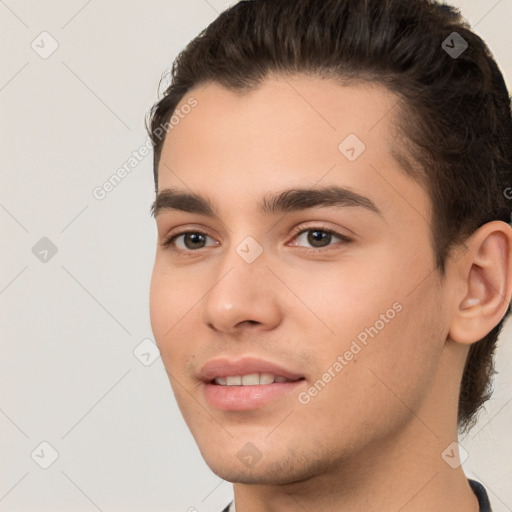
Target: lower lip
<point>245,398</point>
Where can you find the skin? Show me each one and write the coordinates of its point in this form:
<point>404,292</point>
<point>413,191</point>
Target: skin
<point>372,439</point>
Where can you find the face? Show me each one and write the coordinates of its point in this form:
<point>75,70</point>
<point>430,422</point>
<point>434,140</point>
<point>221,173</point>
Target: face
<point>325,301</point>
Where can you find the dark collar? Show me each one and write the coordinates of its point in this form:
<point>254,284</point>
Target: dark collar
<point>478,489</point>
<point>481,494</point>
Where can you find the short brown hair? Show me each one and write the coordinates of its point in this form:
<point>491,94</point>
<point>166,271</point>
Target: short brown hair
<point>455,111</point>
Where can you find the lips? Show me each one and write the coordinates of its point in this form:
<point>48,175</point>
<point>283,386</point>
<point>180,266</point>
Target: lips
<point>252,379</point>
<point>224,368</point>
<point>247,384</point>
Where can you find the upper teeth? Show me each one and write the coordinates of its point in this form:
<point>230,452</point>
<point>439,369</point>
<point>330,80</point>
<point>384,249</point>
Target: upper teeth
<point>253,379</point>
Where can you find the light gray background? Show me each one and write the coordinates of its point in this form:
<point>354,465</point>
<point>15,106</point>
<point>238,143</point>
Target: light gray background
<point>68,373</point>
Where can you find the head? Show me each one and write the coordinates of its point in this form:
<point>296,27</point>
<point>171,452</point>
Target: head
<point>280,91</point>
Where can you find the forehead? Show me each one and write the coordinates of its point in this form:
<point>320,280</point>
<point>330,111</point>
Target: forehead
<point>289,108</point>
<point>290,131</point>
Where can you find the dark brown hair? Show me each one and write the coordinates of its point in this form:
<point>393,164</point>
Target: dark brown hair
<point>454,114</point>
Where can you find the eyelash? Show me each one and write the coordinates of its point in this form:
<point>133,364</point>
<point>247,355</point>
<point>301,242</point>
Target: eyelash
<point>168,242</point>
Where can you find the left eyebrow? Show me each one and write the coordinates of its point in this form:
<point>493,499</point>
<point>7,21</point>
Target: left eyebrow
<point>291,200</point>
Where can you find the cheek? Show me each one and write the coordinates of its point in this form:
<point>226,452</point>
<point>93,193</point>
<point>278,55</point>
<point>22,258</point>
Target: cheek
<point>347,297</point>
<point>388,332</point>
<point>175,299</point>
<point>168,304</point>
<point>378,385</point>
<point>159,304</point>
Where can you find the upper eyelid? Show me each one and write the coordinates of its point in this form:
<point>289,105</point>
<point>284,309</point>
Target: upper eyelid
<point>301,230</point>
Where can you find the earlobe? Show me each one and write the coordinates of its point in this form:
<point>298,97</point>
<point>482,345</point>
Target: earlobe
<point>485,273</point>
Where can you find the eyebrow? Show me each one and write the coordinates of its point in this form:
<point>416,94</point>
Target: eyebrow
<point>291,200</point>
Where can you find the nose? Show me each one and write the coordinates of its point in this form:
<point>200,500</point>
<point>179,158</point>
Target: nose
<point>242,296</point>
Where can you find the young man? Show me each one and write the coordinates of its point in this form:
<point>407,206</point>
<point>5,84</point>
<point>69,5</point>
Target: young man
<point>335,255</point>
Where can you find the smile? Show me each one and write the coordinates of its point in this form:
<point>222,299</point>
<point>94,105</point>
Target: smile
<point>251,379</point>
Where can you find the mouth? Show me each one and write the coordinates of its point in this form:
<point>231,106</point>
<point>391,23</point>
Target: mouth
<point>247,384</point>
<point>251,379</point>
<point>245,371</point>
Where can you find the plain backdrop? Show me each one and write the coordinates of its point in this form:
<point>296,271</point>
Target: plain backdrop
<point>75,270</point>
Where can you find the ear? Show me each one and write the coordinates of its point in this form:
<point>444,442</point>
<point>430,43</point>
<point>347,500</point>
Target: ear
<point>484,276</point>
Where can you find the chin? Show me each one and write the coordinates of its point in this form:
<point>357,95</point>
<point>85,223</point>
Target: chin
<point>275,468</point>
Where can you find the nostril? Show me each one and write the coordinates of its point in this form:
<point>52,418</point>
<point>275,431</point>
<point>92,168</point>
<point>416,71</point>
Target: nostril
<point>251,322</point>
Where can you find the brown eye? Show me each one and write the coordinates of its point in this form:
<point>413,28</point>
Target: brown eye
<point>194,240</point>
<point>191,241</point>
<point>318,238</point>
